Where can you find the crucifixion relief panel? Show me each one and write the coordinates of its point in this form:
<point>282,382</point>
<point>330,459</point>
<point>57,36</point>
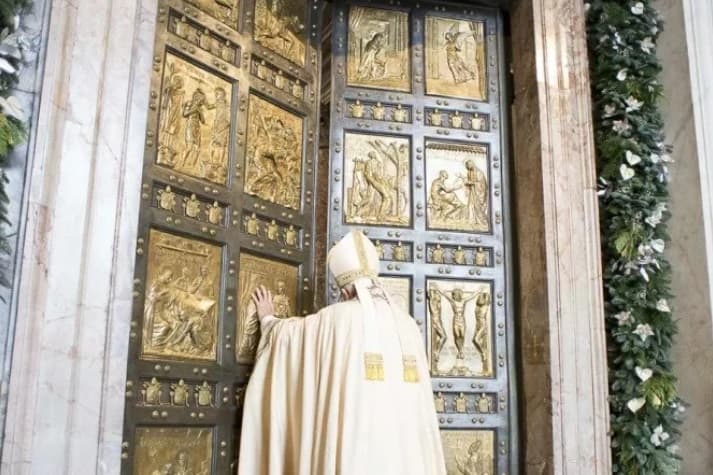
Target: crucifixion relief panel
<point>417,160</point>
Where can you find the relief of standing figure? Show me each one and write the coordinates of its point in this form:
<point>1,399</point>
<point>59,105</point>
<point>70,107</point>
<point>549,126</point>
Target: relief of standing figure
<point>476,185</point>
<point>439,333</point>
<point>170,118</point>
<point>458,300</point>
<point>220,132</point>
<point>454,57</point>
<point>372,65</point>
<point>194,113</point>
<point>480,338</point>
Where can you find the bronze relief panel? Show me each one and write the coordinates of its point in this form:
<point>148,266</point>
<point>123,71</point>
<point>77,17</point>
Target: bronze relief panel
<point>455,58</point>
<point>469,452</point>
<point>195,34</point>
<point>190,205</point>
<point>173,450</point>
<point>400,290</point>
<point>278,277</point>
<point>227,11</point>
<point>460,313</point>
<point>194,121</point>
<point>273,167</point>
<point>181,302</point>
<point>458,187</point>
<point>280,27</point>
<point>377,172</point>
<point>378,54</point>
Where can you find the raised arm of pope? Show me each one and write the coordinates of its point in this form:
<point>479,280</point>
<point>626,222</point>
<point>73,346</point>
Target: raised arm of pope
<point>345,390</point>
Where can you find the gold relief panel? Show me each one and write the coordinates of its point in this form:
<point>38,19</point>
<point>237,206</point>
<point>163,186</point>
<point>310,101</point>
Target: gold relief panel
<point>458,187</point>
<point>280,27</point>
<point>455,58</point>
<point>460,314</point>
<point>194,121</point>
<point>164,450</point>
<point>273,169</point>
<point>437,253</point>
<point>400,290</point>
<point>396,251</point>
<point>469,452</point>
<point>269,229</point>
<point>378,55</point>
<point>277,77</point>
<point>226,11</point>
<point>376,180</point>
<point>281,279</point>
<point>190,205</point>
<point>203,38</point>
<point>181,302</point>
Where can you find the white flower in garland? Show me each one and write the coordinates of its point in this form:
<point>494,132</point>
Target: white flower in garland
<point>627,173</point>
<point>662,306</point>
<point>622,74</point>
<point>644,331</point>
<point>673,448</point>
<point>654,219</point>
<point>587,6</point>
<point>659,436</point>
<point>603,187</point>
<point>623,318</point>
<point>647,45</point>
<point>633,104</point>
<point>637,9</point>
<point>632,158</point>
<point>617,39</point>
<point>635,404</point>
<point>658,245</point>
<point>621,126</point>
<point>609,110</point>
<point>644,374</point>
<point>654,30</point>
<point>664,175</point>
<point>655,158</point>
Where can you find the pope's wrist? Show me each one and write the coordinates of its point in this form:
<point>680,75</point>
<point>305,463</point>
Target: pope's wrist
<point>267,321</point>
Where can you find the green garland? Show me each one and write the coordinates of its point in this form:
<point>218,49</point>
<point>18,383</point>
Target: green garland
<point>12,125</point>
<point>632,165</point>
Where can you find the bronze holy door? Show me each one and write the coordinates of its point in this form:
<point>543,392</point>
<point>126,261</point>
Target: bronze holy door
<point>227,204</point>
<point>418,162</point>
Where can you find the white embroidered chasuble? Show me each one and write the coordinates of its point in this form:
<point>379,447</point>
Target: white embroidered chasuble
<point>310,410</point>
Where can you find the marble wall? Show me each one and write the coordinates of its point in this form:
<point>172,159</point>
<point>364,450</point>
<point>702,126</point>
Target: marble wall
<point>66,391</point>
<point>689,251</point>
<point>34,22</point>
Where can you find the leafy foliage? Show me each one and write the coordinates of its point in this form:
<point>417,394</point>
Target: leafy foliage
<point>12,128</point>
<point>632,163</point>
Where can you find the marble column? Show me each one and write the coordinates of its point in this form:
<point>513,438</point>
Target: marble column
<point>563,376</point>
<point>66,392</point>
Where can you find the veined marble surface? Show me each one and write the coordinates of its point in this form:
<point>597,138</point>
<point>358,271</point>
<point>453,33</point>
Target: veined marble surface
<point>66,393</point>
<point>27,91</point>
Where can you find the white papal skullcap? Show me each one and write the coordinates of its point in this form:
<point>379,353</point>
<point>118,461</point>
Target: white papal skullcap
<point>352,258</point>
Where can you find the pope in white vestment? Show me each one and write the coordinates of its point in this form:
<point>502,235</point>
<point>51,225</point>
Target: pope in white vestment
<point>344,391</point>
